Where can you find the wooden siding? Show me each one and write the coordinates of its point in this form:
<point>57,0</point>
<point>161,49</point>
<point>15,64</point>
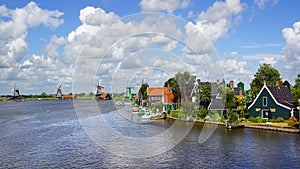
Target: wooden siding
<point>280,111</point>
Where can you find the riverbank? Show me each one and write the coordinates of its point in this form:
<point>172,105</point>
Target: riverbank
<point>281,127</point>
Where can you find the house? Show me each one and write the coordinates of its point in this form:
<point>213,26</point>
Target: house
<point>217,103</point>
<point>160,94</point>
<point>273,102</point>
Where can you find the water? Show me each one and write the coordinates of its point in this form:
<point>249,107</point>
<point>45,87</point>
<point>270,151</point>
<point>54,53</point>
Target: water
<point>48,134</point>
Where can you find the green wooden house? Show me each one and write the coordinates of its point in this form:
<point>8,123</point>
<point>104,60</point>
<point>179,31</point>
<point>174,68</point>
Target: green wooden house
<point>273,102</point>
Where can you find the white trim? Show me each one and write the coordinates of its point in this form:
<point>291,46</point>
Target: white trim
<point>265,87</point>
<point>265,104</point>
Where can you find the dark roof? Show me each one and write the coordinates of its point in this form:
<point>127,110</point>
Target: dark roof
<point>236,91</point>
<point>214,88</point>
<point>217,104</point>
<point>282,94</point>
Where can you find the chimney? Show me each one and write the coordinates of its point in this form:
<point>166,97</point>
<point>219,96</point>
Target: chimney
<point>277,83</point>
<point>231,84</point>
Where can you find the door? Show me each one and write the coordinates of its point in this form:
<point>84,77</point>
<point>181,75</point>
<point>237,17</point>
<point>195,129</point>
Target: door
<point>266,114</point>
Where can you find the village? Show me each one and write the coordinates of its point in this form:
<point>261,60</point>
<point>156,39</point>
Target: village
<point>270,103</point>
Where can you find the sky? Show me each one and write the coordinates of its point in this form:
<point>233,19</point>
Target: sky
<point>121,43</point>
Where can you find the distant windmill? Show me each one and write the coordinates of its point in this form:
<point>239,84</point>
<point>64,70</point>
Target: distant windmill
<point>128,94</point>
<point>16,96</point>
<point>16,91</point>
<point>99,88</point>
<point>58,92</point>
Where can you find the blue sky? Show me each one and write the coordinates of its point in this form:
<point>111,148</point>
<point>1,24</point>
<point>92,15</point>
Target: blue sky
<point>45,43</point>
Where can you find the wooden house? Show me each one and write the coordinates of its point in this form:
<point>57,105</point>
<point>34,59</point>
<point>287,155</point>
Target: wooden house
<point>273,102</point>
<point>217,104</point>
<point>160,94</point>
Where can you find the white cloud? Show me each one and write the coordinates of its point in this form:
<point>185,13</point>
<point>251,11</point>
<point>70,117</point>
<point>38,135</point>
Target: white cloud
<point>96,16</point>
<point>14,25</point>
<point>213,24</point>
<point>50,49</point>
<point>158,5</point>
<point>291,50</point>
<point>262,3</point>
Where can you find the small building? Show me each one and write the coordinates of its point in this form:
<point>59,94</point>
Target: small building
<point>217,104</point>
<point>161,94</point>
<point>273,102</point>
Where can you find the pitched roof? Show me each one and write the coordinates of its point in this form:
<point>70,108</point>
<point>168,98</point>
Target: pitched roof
<point>154,91</point>
<point>161,91</point>
<point>217,104</point>
<point>281,95</point>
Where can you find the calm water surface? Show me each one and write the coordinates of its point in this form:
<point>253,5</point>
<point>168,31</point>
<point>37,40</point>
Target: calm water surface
<point>48,134</point>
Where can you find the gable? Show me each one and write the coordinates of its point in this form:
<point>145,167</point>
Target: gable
<point>265,92</point>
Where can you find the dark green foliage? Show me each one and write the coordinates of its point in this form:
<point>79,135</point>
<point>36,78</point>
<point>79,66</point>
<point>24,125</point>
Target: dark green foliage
<point>265,74</point>
<point>173,86</point>
<point>202,113</point>
<point>205,95</point>
<point>143,91</point>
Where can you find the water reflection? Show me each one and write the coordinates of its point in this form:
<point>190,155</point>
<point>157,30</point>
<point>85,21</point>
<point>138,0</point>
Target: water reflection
<point>31,137</point>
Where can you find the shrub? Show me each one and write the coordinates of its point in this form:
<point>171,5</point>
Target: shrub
<point>175,113</point>
<point>257,119</point>
<point>202,113</point>
<point>292,121</point>
<point>279,119</point>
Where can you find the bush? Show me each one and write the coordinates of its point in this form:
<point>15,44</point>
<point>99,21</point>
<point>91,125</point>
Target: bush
<point>257,119</point>
<point>175,113</point>
<point>292,121</point>
<point>279,119</point>
<point>202,113</point>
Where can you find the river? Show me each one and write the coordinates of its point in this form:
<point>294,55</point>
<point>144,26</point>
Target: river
<point>52,134</point>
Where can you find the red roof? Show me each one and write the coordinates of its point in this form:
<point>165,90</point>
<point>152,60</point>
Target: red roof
<point>161,91</point>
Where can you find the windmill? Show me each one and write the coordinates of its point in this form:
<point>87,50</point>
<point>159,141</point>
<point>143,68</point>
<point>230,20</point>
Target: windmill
<point>16,96</point>
<point>16,91</point>
<point>99,88</point>
<point>58,92</point>
<point>128,94</point>
<point>99,94</point>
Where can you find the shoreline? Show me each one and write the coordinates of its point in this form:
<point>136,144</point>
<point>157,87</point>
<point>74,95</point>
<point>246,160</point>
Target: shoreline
<point>239,125</point>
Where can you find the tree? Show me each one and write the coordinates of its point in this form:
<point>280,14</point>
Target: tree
<point>297,82</point>
<point>240,101</point>
<point>185,83</point>
<point>205,95</point>
<point>181,85</point>
<point>143,91</point>
<point>173,86</point>
<point>265,74</point>
<point>296,90</point>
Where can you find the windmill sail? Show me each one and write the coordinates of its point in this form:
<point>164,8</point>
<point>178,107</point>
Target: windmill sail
<point>16,91</point>
<point>16,96</point>
<point>59,92</point>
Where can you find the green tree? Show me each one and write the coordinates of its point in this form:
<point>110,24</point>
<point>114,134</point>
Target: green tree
<point>265,74</point>
<point>186,83</point>
<point>143,91</point>
<point>296,90</point>
<point>172,84</point>
<point>205,95</point>
<point>240,101</point>
<point>297,82</point>
<point>181,85</point>
<point>43,95</point>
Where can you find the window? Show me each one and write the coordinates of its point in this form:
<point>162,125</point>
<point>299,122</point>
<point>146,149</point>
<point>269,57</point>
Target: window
<point>265,101</point>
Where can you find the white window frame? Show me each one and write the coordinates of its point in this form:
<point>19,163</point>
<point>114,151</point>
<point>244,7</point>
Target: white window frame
<point>265,103</point>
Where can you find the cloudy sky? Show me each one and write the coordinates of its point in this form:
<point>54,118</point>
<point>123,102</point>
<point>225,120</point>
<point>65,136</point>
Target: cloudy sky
<point>47,42</point>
